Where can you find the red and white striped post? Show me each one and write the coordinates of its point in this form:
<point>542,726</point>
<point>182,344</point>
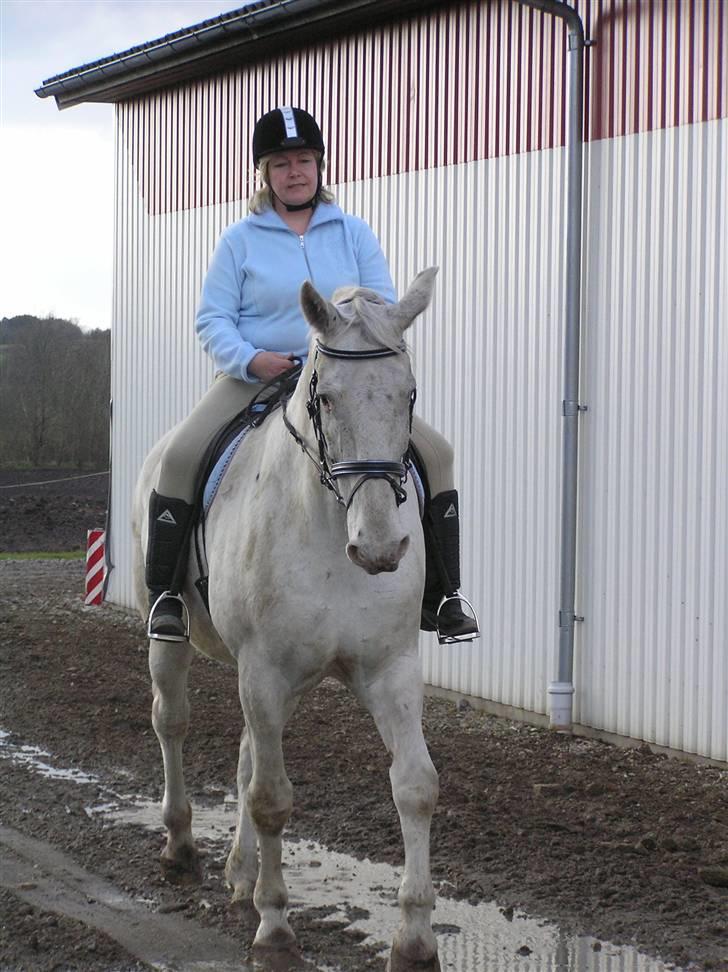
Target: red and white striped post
<point>95,566</point>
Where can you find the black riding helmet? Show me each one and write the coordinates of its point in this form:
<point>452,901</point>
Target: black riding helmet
<point>288,128</point>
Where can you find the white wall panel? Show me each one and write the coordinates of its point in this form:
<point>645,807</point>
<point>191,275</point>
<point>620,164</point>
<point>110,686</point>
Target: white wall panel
<point>653,557</point>
<point>487,358</point>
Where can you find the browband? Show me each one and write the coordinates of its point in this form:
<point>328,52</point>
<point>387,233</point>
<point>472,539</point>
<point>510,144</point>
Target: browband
<point>369,353</point>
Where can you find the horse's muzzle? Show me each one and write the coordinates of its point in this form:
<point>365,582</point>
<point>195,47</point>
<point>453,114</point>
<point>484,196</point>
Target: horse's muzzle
<point>379,559</point>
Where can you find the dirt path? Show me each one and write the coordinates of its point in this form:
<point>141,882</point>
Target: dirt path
<point>52,517</point>
<point>622,844</point>
<point>50,881</point>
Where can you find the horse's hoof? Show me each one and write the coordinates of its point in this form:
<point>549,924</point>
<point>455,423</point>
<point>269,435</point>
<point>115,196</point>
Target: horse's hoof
<point>280,938</point>
<point>184,868</point>
<point>278,959</point>
<point>400,962</point>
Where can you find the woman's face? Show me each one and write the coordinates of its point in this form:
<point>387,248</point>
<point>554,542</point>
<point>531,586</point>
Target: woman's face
<point>293,175</point>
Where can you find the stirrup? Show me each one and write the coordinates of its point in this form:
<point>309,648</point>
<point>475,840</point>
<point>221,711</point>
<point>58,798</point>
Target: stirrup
<point>185,617</point>
<point>445,639</point>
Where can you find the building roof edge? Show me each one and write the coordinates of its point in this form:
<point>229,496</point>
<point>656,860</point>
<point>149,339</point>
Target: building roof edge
<point>214,45</point>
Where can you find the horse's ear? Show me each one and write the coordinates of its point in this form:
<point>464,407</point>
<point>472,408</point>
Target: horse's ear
<point>320,314</point>
<point>417,298</point>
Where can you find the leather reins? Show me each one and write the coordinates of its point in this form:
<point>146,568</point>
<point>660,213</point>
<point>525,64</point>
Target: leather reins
<point>395,473</point>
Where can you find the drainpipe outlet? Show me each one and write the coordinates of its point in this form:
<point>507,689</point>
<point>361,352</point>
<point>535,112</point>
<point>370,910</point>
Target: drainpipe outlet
<point>560,695</point>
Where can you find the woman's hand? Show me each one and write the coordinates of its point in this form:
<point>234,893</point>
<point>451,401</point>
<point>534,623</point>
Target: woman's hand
<point>269,364</point>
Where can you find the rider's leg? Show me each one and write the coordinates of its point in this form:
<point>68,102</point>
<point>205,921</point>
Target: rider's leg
<point>441,524</point>
<point>170,505</point>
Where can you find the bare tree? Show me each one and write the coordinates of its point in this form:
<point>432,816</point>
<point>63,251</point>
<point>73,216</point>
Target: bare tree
<point>54,391</point>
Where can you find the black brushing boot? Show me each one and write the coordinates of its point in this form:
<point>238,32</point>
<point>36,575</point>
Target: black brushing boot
<point>169,520</point>
<point>441,525</point>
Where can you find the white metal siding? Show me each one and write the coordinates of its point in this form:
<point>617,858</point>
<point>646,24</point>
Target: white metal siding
<point>487,358</point>
<point>653,549</point>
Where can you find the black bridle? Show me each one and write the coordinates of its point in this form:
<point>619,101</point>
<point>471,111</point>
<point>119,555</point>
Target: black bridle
<point>395,473</point>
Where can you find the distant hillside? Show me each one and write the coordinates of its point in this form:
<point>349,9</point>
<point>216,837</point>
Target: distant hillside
<point>54,393</point>
<point>13,328</point>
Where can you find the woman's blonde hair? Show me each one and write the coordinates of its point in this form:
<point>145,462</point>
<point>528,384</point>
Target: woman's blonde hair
<point>262,198</point>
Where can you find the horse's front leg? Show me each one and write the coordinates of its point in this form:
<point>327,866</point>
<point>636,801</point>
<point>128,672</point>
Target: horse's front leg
<point>241,869</point>
<point>269,798</point>
<point>169,664</point>
<point>394,699</point>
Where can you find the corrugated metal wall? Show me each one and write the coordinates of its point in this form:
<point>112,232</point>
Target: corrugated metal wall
<point>474,80</point>
<point>487,358</point>
<point>479,191</point>
<point>653,659</point>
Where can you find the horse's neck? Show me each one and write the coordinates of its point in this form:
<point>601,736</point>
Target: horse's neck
<point>282,450</point>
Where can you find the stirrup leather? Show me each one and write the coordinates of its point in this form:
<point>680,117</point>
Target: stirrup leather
<point>445,639</point>
<point>185,617</point>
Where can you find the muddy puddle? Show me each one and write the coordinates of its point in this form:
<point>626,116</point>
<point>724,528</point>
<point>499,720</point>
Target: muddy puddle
<point>471,937</point>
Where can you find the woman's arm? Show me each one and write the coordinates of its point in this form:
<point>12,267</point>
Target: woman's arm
<point>216,323</point>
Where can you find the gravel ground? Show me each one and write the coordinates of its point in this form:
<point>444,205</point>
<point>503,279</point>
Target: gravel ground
<point>622,844</point>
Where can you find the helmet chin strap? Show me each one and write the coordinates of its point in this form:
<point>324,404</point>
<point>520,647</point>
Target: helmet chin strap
<point>301,206</point>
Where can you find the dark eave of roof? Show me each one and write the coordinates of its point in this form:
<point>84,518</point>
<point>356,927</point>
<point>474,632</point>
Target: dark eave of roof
<point>215,45</point>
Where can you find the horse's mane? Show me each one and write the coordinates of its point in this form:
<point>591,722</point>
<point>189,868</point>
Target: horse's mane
<point>364,310</point>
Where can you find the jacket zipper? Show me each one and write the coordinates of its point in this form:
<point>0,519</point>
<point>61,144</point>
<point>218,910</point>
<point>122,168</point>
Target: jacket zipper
<point>305,257</point>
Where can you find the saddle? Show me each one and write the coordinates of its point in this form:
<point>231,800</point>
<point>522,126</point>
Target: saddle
<point>215,462</point>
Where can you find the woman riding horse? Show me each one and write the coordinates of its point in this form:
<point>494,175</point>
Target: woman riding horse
<point>249,320</point>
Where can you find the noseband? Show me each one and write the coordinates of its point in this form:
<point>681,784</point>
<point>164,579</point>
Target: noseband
<point>395,473</point>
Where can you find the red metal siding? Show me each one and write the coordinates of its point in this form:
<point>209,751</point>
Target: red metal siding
<point>656,64</point>
<point>467,82</point>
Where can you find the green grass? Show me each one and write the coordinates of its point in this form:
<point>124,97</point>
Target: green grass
<point>45,555</point>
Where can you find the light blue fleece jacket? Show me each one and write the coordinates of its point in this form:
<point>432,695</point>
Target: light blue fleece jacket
<point>250,296</point>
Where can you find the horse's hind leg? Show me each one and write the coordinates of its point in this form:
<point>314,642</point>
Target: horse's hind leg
<point>394,699</point>
<point>241,869</point>
<point>169,664</point>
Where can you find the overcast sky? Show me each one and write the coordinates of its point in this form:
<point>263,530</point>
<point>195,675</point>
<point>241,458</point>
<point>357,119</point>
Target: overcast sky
<point>56,168</point>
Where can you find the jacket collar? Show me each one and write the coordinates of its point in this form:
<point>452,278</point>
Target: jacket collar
<point>323,213</point>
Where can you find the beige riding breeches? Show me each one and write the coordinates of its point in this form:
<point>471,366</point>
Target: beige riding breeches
<point>222,402</point>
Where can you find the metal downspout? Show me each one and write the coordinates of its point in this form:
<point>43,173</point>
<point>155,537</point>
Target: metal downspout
<point>561,691</point>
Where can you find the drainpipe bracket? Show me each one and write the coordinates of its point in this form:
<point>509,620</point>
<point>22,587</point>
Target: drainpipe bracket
<point>573,408</point>
<point>567,618</point>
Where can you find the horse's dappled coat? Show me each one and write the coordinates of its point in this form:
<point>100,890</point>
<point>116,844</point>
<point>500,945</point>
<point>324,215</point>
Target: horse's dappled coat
<point>302,588</point>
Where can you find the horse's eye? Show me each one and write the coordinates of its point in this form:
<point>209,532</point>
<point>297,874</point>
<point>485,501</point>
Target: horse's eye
<point>325,402</point>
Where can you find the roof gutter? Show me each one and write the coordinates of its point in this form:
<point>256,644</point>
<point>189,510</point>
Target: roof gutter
<point>216,46</point>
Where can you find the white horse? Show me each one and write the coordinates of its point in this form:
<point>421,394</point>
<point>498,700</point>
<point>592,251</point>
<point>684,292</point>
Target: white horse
<point>306,583</point>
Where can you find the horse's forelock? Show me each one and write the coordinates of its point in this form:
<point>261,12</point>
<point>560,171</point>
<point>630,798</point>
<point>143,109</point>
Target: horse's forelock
<point>365,311</point>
